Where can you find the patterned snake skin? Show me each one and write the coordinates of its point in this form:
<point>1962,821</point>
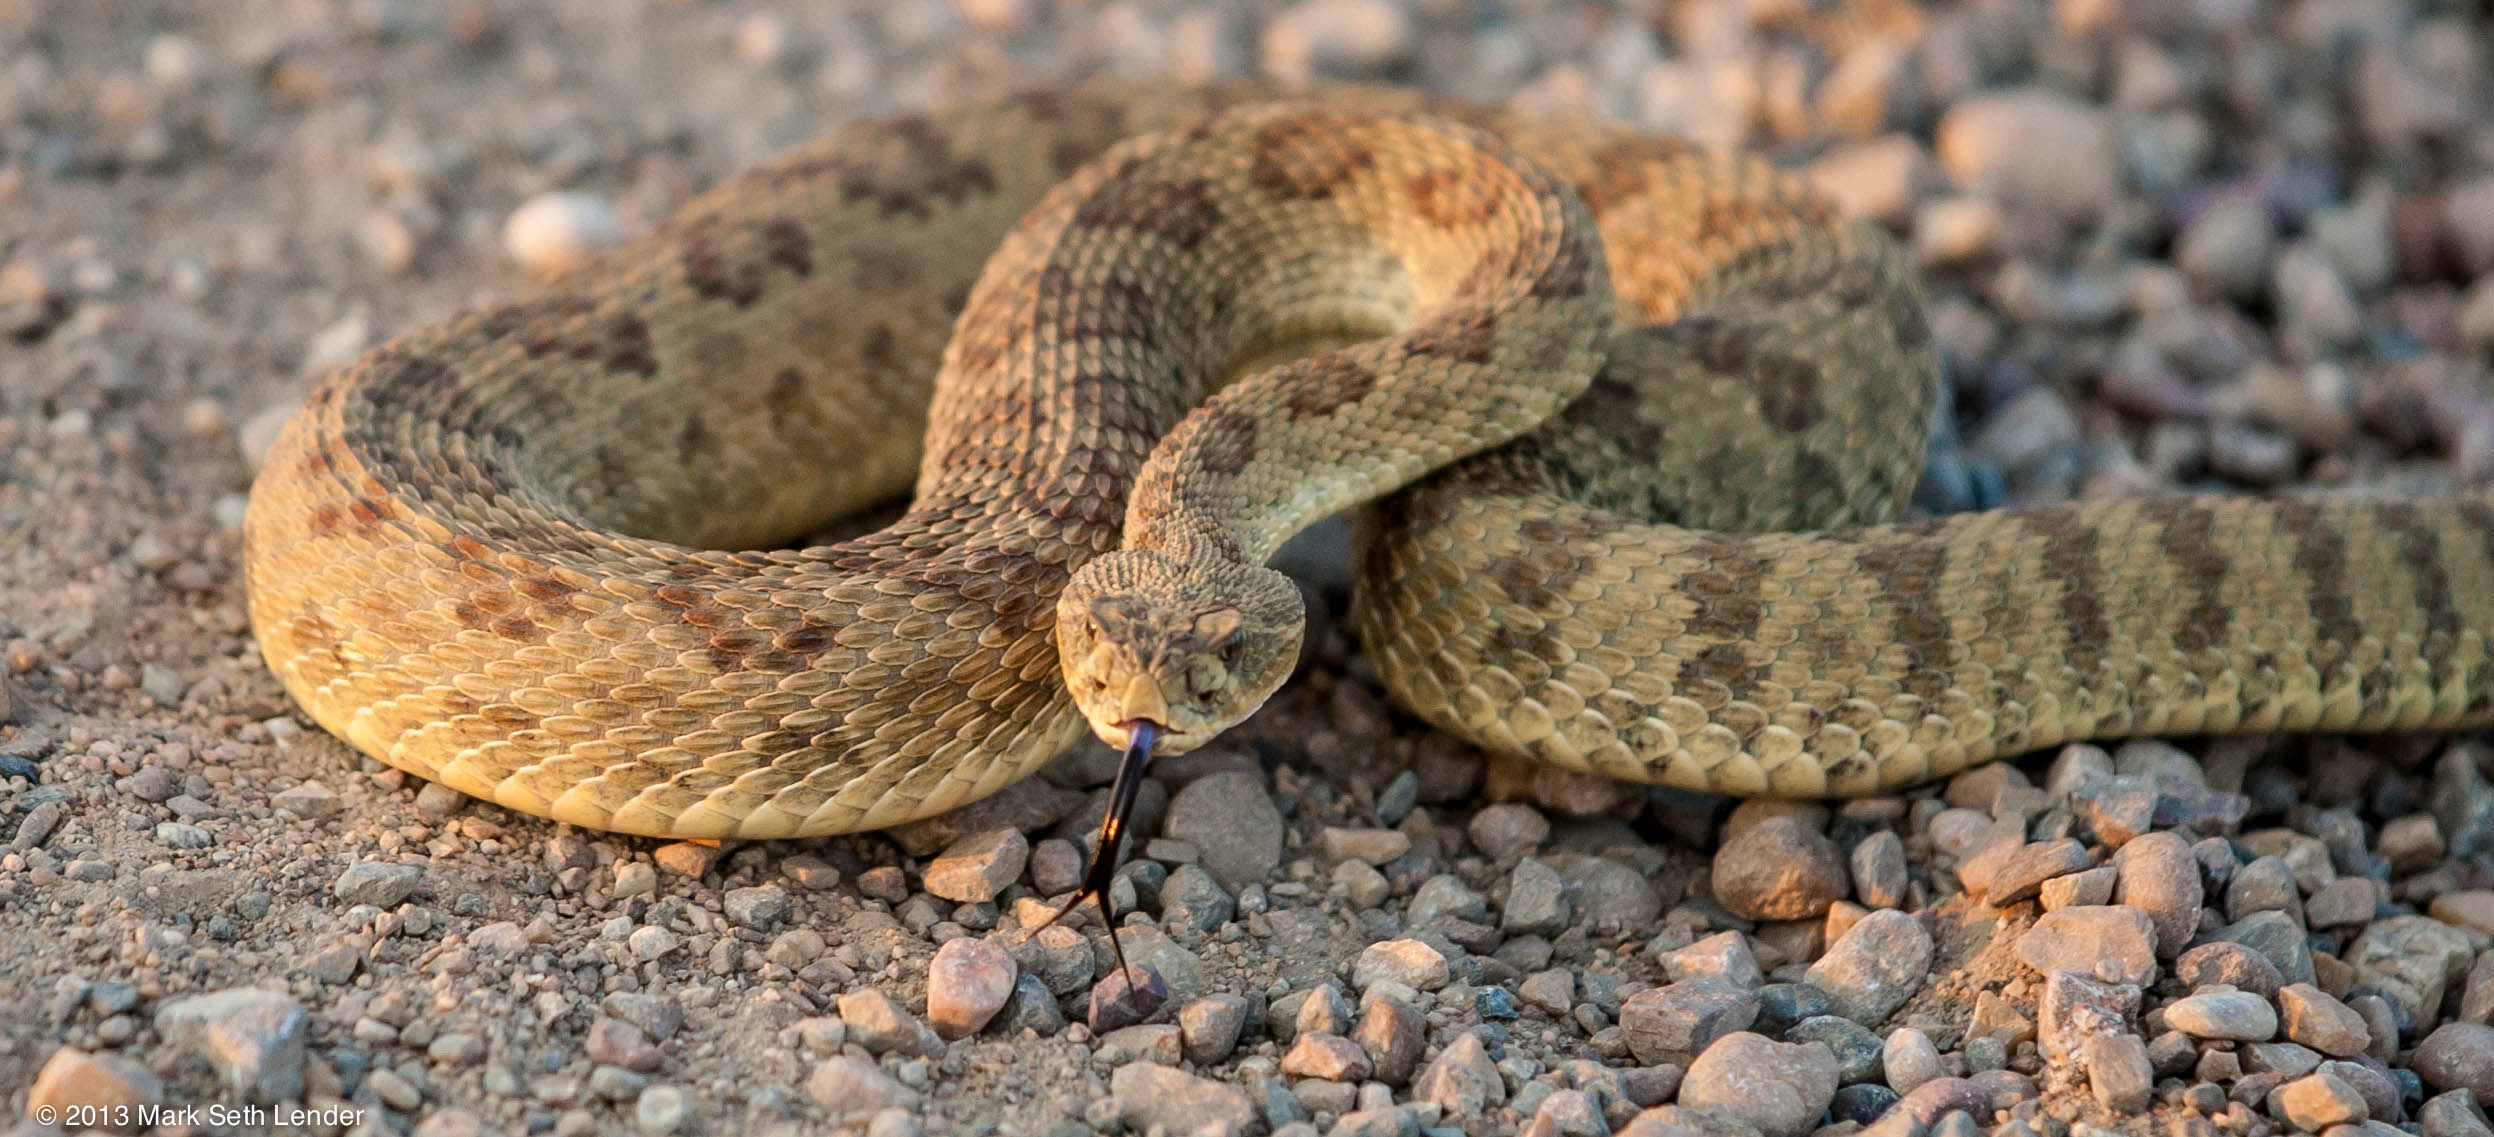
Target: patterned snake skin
<point>484,554</point>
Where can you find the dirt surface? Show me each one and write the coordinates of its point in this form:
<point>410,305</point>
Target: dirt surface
<point>205,206</point>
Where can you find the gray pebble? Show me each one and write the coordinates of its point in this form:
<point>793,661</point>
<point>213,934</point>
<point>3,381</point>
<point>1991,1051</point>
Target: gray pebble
<point>254,1038</point>
<point>1878,864</point>
<point>1508,829</point>
<point>1675,1022</point>
<point>1875,966</point>
<point>1192,898</point>
<point>1462,1081</point>
<point>378,883</point>
<point>1179,1102</point>
<point>1779,1089</point>
<point>1537,901</point>
<point>1231,819</point>
<point>878,1023</point>
<point>2238,1015</point>
<point>1858,1052</point>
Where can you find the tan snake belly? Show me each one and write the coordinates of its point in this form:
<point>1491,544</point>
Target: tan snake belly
<point>487,553</point>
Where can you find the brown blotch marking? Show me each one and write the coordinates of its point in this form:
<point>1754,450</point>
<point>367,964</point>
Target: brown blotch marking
<point>1465,335</point>
<point>2188,528</point>
<point>785,397</point>
<point>1559,529</point>
<point>545,590</point>
<point>1232,442</point>
<point>1788,392</point>
<point>1180,212</point>
<point>1723,665</point>
<point>2321,556</point>
<point>2479,517</point>
<point>518,628</point>
<point>628,346</point>
<point>1324,384</point>
<point>1116,308</point>
<point>1621,170</point>
<point>1727,589</point>
<point>1909,573</point>
<point>1725,218</point>
<point>2420,548</point>
<point>806,640</point>
<point>1787,385</point>
<point>1502,647</point>
<point>1306,157</point>
<point>1717,346</point>
<point>325,520</point>
<point>371,511</point>
<point>316,464</point>
<point>1613,406</point>
<point>1820,484</point>
<point>2070,546</point>
<point>785,243</point>
<point>999,321</point>
<point>399,377</point>
<point>880,349</point>
<point>1451,199</point>
<point>1570,271</point>
<point>692,441</point>
<point>1526,581</point>
<point>707,269</point>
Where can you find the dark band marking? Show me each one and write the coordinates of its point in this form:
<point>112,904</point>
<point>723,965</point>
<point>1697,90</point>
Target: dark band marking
<point>1323,384</point>
<point>2321,556</point>
<point>1232,444</point>
<point>1180,212</point>
<point>2070,546</point>
<point>2189,538</point>
<point>1306,157</point>
<point>2420,548</point>
<point>1466,335</point>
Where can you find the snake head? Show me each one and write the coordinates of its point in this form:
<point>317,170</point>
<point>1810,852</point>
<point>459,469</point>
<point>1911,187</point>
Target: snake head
<point>1194,646</point>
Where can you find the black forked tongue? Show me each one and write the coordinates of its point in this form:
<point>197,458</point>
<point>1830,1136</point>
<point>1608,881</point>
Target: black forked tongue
<point>1140,735</point>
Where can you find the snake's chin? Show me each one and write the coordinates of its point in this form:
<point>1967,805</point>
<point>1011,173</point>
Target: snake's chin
<point>1192,646</point>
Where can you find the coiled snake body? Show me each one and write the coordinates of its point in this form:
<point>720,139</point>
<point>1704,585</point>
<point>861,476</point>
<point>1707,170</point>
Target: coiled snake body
<point>487,553</point>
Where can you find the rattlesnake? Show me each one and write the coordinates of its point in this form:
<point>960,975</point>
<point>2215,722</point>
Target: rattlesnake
<point>484,553</point>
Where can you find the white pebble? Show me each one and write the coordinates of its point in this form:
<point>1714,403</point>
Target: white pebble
<point>553,232</point>
<point>762,40</point>
<point>650,941</point>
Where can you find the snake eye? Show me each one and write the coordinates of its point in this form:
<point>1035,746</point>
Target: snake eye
<point>1227,650</point>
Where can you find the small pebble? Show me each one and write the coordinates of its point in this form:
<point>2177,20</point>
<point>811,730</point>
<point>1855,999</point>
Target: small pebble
<point>1778,869</point>
<point>1779,1089</point>
<point>1875,966</point>
<point>553,233</point>
<point>1126,997</point>
<point>878,1023</point>
<point>2238,1015</point>
<point>968,981</point>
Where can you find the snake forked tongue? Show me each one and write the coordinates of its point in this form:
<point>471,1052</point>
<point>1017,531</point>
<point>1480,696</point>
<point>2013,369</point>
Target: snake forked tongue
<point>1140,735</point>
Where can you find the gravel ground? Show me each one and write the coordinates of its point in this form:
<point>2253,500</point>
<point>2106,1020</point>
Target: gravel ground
<point>2217,244</point>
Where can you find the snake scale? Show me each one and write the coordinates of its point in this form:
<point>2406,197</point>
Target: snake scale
<point>1670,396</point>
